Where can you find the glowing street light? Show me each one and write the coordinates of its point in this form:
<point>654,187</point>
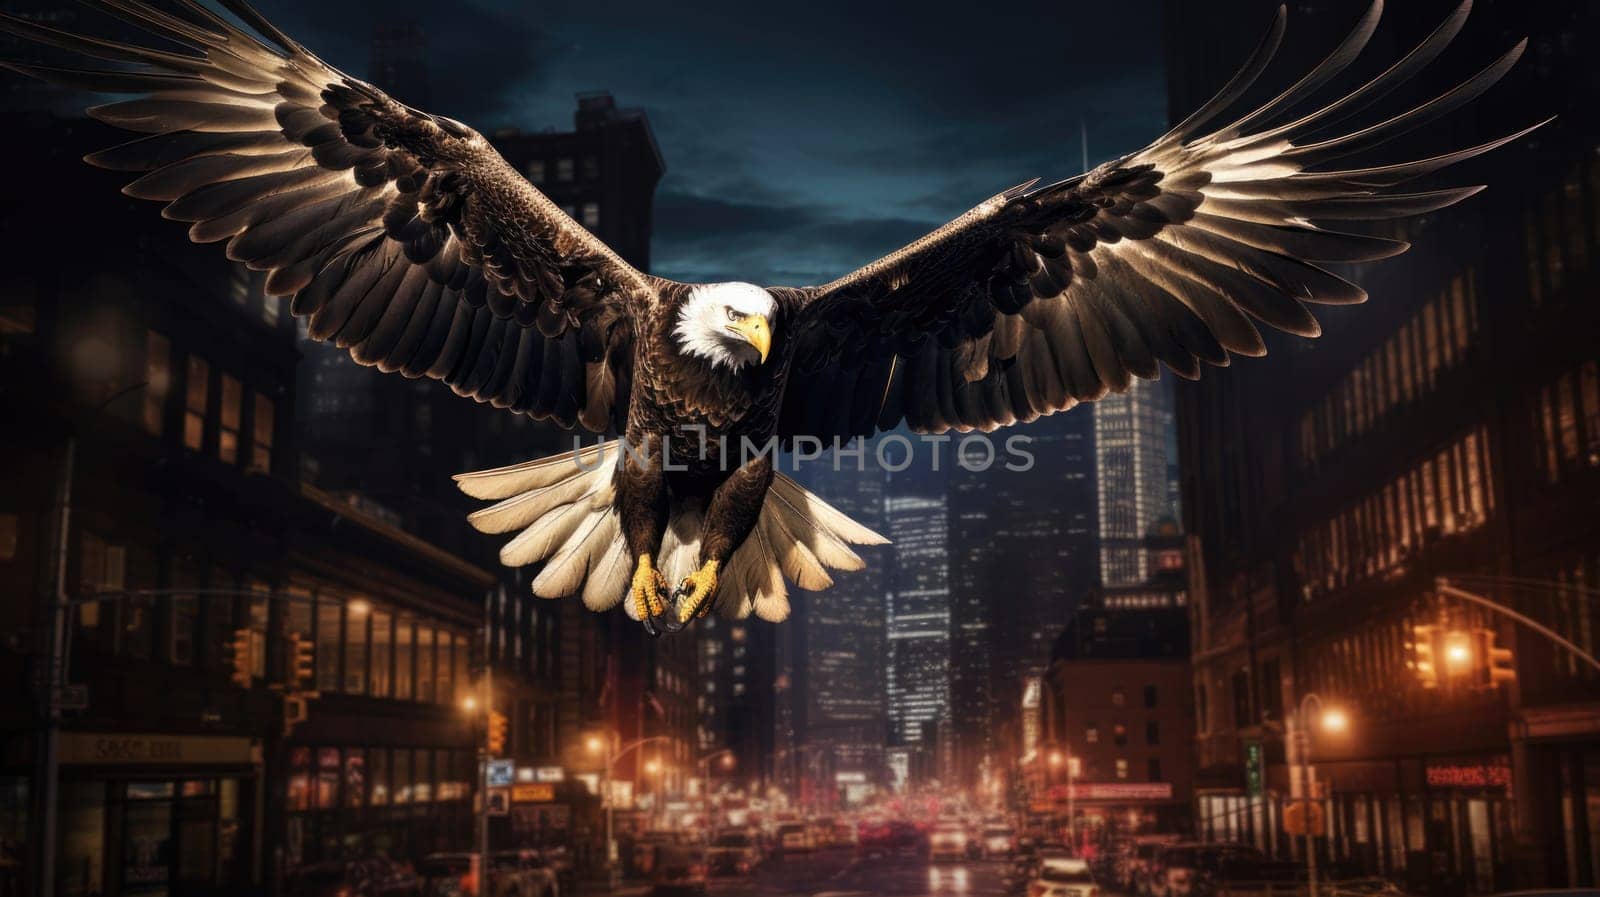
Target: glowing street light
<point>469,703</point>
<point>594,744</point>
<point>1055,758</point>
<point>652,767</point>
<point>1335,721</point>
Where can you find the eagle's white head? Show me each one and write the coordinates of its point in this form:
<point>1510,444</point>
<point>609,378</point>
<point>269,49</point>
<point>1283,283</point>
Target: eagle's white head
<point>727,324</point>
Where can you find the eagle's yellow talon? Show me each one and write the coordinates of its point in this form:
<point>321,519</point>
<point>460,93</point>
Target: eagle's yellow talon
<point>649,589</point>
<point>694,593</point>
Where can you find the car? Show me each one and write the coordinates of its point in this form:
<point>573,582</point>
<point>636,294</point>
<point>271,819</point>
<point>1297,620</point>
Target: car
<point>794,837</point>
<point>512,873</point>
<point>678,872</point>
<point>1134,864</point>
<point>947,842</point>
<point>1062,876</point>
<point>998,841</point>
<point>1178,868</point>
<point>522,873</point>
<point>733,853</point>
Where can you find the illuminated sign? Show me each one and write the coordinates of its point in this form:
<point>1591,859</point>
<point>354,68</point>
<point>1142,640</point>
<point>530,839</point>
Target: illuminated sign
<point>549,774</point>
<point>1494,774</point>
<point>1113,791</point>
<point>533,793</point>
<point>850,778</point>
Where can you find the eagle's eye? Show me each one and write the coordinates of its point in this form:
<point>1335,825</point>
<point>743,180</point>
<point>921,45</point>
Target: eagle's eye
<point>732,315</point>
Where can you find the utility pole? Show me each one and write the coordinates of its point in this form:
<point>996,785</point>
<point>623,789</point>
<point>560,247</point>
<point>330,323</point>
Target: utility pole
<point>47,765</point>
<point>488,711</point>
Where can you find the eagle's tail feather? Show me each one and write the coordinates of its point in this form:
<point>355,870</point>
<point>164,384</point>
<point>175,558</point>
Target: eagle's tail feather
<point>567,518</point>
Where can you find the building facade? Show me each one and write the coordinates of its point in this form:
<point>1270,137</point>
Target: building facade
<point>1116,755</point>
<point>1443,430</point>
<point>917,621</point>
<point>1018,566</point>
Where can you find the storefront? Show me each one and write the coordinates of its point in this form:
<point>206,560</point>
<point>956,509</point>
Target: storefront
<point>157,815</point>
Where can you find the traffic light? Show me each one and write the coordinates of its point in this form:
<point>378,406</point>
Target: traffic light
<point>1459,650</point>
<point>302,661</point>
<point>1420,655</point>
<point>240,649</point>
<point>497,733</point>
<point>1496,665</point>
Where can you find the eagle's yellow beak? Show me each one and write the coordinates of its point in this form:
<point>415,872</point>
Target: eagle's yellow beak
<point>755,330</point>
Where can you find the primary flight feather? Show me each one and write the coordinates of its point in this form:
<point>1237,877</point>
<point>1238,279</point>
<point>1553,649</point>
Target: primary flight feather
<point>405,238</point>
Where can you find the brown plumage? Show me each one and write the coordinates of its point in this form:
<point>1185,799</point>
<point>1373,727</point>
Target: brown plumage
<point>405,238</point>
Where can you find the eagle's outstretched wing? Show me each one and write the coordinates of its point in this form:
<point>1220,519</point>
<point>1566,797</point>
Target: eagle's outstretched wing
<point>404,236</point>
<point>1043,297</point>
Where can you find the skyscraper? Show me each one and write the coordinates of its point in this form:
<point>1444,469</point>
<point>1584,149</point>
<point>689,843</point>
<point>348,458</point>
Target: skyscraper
<point>918,616</point>
<point>1132,433</point>
<point>1022,553</point>
<point>829,681</point>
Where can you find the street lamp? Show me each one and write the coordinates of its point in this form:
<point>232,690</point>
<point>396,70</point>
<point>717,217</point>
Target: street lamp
<point>1334,721</point>
<point>704,763</point>
<point>600,744</point>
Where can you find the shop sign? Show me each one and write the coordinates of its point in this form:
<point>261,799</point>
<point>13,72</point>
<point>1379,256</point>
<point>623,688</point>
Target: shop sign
<point>533,793</point>
<point>142,750</point>
<point>1496,773</point>
<point>1113,791</point>
<point>549,774</point>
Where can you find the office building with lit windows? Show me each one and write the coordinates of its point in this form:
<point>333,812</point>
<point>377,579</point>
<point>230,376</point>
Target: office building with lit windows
<point>917,622</point>
<point>1132,476</point>
<point>152,462</point>
<point>1450,427</point>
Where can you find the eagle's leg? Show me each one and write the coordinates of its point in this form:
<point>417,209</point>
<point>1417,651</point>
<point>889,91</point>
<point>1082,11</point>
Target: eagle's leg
<point>730,516</point>
<point>649,594</point>
<point>642,501</point>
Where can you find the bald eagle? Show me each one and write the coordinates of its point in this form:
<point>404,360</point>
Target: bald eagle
<point>407,239</point>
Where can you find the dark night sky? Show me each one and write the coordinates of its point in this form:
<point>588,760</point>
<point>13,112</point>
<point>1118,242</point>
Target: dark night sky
<point>803,139</point>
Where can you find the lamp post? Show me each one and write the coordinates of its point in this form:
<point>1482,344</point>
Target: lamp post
<point>704,764</point>
<point>1334,720</point>
<point>601,744</point>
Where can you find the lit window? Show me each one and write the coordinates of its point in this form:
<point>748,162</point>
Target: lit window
<point>1118,697</point>
<point>591,214</point>
<point>194,403</point>
<point>157,380</point>
<point>1092,735</point>
<point>261,452</point>
<point>271,308</point>
<point>564,170</point>
<point>228,426</point>
<point>536,171</point>
<point>1122,769</point>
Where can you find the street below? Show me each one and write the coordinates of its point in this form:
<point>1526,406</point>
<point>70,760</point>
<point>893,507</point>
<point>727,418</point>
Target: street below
<point>848,873</point>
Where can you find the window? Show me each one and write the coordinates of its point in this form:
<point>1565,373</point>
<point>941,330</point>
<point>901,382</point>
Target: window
<point>271,309</point>
<point>183,622</point>
<point>157,381</point>
<point>591,168</point>
<point>228,426</point>
<point>404,659</point>
<point>1272,688</point>
<point>194,403</point>
<point>591,215</point>
<point>462,683</point>
<point>536,171</point>
<point>424,663</point>
<point>564,170</point>
<point>1118,697</point>
<point>378,776</point>
<point>422,776</point>
<point>355,648</point>
<point>382,642</point>
<point>1119,734</point>
<point>1122,769</point>
<point>1152,732</point>
<point>1153,770</point>
<point>261,449</point>
<point>1150,696</point>
<point>328,638</point>
<point>444,669</point>
<point>1241,699</point>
